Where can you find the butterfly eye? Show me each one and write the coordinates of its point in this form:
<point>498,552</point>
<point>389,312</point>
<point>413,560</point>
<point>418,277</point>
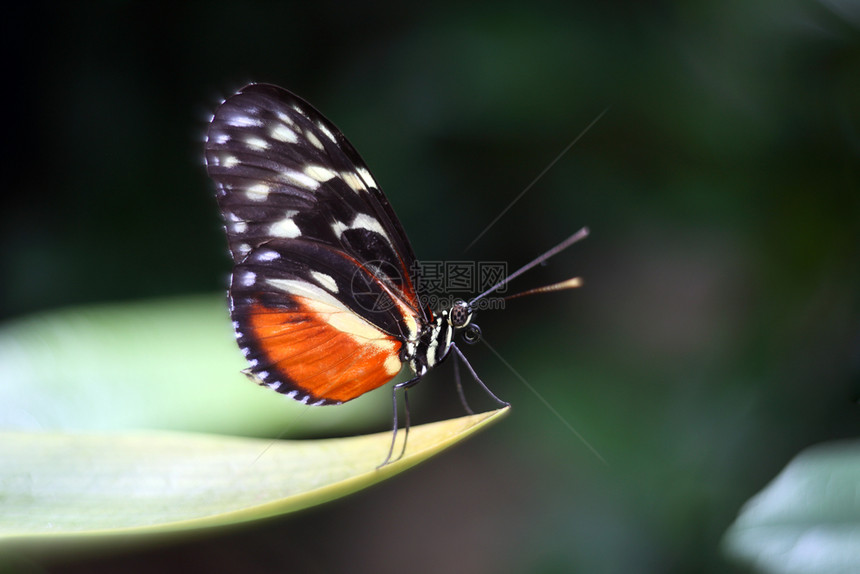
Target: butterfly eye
<point>472,334</point>
<point>460,314</point>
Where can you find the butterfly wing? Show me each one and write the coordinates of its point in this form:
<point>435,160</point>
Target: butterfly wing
<point>322,296</point>
<point>298,330</point>
<point>284,170</point>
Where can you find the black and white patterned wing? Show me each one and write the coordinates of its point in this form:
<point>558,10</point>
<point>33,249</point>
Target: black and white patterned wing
<point>283,171</point>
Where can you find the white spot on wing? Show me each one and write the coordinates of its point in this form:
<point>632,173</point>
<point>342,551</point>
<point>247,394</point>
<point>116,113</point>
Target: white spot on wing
<point>325,280</point>
<point>248,278</point>
<point>283,133</point>
<point>308,290</point>
<point>258,192</point>
<point>339,227</point>
<point>319,173</point>
<point>242,121</point>
<point>286,119</point>
<point>327,132</point>
<point>367,178</point>
<point>239,227</point>
<point>257,143</point>
<point>353,181</point>
<point>268,255</point>
<point>299,180</point>
<point>314,140</point>
<point>361,221</point>
<point>229,161</point>
<point>364,221</point>
<point>285,228</point>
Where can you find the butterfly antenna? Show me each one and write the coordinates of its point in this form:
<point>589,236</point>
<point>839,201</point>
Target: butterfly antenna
<point>560,286</point>
<point>569,284</point>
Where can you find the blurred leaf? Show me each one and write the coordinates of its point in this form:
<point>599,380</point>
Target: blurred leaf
<point>166,364</point>
<point>807,519</point>
<point>55,485</point>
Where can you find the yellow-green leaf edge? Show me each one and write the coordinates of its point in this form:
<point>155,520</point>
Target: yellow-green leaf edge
<point>48,481</point>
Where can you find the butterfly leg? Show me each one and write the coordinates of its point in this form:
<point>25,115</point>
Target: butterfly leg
<point>459,354</point>
<point>408,424</point>
<point>460,386</point>
<point>405,385</point>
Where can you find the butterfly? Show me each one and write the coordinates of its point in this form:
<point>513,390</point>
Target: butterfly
<point>324,294</point>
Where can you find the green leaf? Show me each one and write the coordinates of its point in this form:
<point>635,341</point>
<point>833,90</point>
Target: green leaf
<point>807,519</point>
<point>75,383</point>
<point>56,485</point>
<point>165,364</point>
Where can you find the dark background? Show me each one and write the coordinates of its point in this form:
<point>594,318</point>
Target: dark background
<point>717,332</point>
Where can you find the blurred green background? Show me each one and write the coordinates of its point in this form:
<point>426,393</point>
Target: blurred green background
<point>718,332</point>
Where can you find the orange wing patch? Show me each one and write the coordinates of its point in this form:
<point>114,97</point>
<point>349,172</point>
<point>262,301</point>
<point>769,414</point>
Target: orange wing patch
<point>326,351</point>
